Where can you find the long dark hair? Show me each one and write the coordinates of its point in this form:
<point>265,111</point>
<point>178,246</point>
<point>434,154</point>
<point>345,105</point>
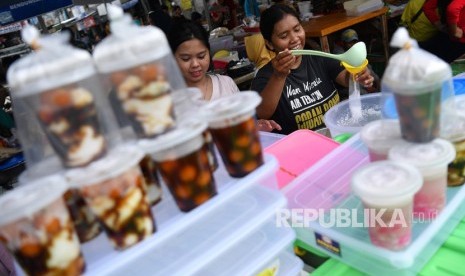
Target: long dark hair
<point>182,31</point>
<point>273,15</point>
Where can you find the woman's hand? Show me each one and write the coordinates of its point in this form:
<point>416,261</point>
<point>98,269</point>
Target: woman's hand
<point>282,63</point>
<point>366,79</point>
<point>267,125</point>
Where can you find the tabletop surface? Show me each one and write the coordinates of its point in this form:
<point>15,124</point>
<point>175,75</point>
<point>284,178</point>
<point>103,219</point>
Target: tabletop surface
<point>334,22</point>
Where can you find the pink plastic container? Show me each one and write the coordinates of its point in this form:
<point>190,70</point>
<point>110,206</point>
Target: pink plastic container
<point>297,152</point>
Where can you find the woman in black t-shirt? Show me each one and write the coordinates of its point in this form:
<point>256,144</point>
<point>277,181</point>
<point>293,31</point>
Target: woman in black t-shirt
<point>297,91</point>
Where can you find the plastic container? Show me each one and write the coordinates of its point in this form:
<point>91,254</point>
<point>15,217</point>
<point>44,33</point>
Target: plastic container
<point>140,71</point>
<point>182,159</point>
<point>456,135</point>
<point>37,229</point>
<point>264,250</point>
<point>432,160</point>
<point>379,137</point>
<point>386,189</point>
<point>112,188</point>
<point>306,146</point>
<point>359,7</point>
<point>63,118</point>
<point>232,125</point>
<point>321,187</point>
<point>186,242</point>
<point>339,119</point>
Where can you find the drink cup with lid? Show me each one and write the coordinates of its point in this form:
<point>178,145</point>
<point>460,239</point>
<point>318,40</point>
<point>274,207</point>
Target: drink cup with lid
<point>456,135</point>
<point>182,160</point>
<point>232,124</point>
<point>61,104</point>
<point>432,160</point>
<point>85,222</point>
<point>379,136</point>
<point>417,78</point>
<point>386,189</point>
<point>36,228</point>
<point>188,104</point>
<point>113,189</point>
<point>141,72</point>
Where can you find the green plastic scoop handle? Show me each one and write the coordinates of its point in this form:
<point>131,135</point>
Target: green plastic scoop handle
<point>355,56</point>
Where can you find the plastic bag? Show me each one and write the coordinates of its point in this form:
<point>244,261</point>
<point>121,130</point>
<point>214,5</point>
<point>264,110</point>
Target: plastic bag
<point>421,85</point>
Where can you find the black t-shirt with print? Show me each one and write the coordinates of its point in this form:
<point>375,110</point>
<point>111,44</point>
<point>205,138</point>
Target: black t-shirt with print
<point>309,91</point>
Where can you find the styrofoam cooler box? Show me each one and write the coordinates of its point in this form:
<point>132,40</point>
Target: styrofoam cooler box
<point>269,247</point>
<point>359,7</point>
<point>326,185</point>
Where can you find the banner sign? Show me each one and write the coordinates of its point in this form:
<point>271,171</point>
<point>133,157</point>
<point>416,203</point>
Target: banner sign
<point>10,28</point>
<point>16,10</point>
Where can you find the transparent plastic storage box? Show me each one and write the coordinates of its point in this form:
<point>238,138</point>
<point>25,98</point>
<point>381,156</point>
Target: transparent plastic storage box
<point>326,185</point>
<point>211,238</point>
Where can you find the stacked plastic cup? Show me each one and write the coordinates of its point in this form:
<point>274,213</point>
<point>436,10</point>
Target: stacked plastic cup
<point>182,160</point>
<point>113,189</point>
<point>231,121</point>
<point>387,190</point>
<point>379,137</point>
<point>37,229</point>
<point>188,105</point>
<point>62,116</point>
<point>140,72</point>
<point>432,160</point>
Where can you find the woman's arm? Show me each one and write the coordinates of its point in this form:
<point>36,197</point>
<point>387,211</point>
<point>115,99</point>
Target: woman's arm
<point>453,17</point>
<point>271,94</point>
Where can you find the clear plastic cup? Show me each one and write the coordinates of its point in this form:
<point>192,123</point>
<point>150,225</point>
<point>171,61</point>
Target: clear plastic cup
<point>84,220</point>
<point>141,71</point>
<point>456,169</point>
<point>36,228</point>
<point>387,190</point>
<point>152,182</point>
<point>143,98</point>
<point>419,115</point>
<point>379,136</point>
<point>181,157</point>
<point>432,160</point>
<point>60,96</point>
<point>232,124</point>
<point>188,104</point>
<point>113,188</point>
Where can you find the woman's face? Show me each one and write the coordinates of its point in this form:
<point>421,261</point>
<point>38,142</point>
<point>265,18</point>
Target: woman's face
<point>193,59</point>
<point>287,34</point>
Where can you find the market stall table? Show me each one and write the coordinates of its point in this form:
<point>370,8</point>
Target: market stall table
<point>323,26</point>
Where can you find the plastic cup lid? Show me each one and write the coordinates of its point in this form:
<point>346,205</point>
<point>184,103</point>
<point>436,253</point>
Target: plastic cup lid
<point>25,200</point>
<point>386,180</point>
<point>224,110</point>
<point>44,70</point>
<point>425,156</point>
<point>455,131</point>
<point>178,139</point>
<point>112,165</point>
<point>139,46</point>
<point>381,135</point>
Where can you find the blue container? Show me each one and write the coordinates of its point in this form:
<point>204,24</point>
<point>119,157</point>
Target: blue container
<point>389,109</point>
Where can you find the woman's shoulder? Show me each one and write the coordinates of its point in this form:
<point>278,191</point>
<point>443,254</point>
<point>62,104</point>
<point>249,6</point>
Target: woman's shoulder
<point>225,83</point>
